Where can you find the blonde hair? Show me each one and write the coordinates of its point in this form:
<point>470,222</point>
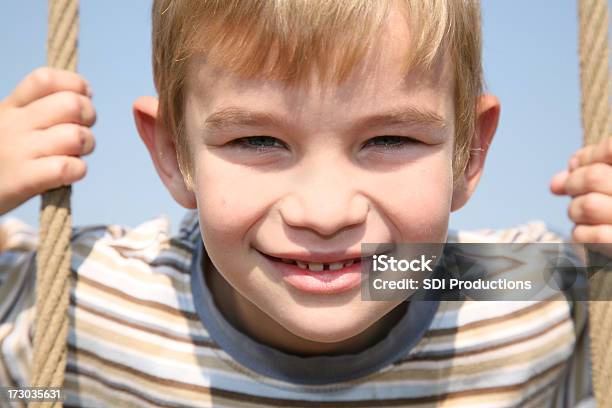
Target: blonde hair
<point>331,36</point>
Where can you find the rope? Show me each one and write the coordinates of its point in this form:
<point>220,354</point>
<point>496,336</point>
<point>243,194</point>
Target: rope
<point>53,255</point>
<point>595,87</point>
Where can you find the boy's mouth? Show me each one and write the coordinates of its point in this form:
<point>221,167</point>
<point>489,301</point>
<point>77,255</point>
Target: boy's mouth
<point>328,262</point>
<point>319,273</point>
<point>321,278</point>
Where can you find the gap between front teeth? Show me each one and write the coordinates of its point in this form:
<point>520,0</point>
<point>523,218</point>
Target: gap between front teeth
<point>318,267</point>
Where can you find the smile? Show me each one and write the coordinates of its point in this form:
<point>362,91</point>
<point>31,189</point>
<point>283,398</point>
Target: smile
<point>317,266</point>
<point>321,278</point>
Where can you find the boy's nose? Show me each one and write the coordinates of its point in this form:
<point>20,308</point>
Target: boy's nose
<point>323,214</point>
<point>325,204</point>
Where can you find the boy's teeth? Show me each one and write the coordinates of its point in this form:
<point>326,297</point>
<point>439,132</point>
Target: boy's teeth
<point>315,267</point>
<point>318,267</point>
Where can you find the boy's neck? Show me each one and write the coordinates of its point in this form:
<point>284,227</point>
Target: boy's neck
<point>252,321</point>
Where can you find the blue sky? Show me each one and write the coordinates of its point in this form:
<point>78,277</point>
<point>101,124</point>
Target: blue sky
<point>530,63</point>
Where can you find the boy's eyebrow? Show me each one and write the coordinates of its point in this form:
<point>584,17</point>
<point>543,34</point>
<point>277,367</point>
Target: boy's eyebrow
<point>232,117</point>
<point>410,115</point>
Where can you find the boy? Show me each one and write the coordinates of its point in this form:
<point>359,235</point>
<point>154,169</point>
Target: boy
<point>295,131</point>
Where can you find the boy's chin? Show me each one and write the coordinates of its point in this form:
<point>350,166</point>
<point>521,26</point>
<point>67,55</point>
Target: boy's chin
<point>333,326</point>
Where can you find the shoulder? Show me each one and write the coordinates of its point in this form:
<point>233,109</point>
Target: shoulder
<point>114,247</point>
<point>131,284</point>
<point>148,247</point>
<point>16,235</point>
<point>532,231</point>
<point>18,242</point>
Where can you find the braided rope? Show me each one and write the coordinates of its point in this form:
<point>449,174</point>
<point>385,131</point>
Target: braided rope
<point>595,87</point>
<point>53,257</point>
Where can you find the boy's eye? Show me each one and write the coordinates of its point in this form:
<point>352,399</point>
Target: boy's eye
<point>258,142</point>
<point>390,142</point>
<point>265,143</point>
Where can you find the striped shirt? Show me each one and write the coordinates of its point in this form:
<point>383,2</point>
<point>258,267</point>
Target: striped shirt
<point>138,336</point>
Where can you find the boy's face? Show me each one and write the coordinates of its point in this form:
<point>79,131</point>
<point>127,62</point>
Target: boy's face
<point>319,183</point>
<point>322,180</point>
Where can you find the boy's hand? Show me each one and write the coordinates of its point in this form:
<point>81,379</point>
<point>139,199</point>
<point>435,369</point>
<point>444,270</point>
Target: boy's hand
<point>44,129</point>
<point>589,182</point>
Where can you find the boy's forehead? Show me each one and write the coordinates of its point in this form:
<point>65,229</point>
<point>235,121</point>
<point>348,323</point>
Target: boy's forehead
<point>377,77</point>
<point>380,78</point>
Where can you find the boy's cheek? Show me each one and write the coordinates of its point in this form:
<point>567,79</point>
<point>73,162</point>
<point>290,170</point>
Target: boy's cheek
<point>419,204</point>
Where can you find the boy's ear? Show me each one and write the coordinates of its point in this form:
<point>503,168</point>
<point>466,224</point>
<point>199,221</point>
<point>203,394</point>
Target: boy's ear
<point>488,110</point>
<point>162,150</point>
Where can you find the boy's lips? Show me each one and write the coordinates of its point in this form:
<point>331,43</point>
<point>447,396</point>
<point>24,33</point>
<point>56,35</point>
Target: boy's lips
<point>328,273</point>
<point>317,278</point>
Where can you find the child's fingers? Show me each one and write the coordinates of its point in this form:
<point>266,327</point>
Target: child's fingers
<point>51,172</point>
<point>582,157</point>
<point>60,107</point>
<point>557,183</point>
<point>591,209</point>
<point>600,152</point>
<point>45,81</point>
<point>596,177</point>
<point>595,234</point>
<point>66,139</point>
